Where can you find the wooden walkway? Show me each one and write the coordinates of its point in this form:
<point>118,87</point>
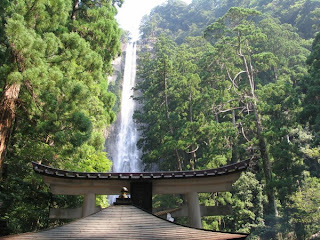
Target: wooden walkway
<point>124,222</point>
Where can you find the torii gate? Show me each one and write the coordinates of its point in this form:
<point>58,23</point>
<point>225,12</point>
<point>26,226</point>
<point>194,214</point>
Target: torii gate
<point>140,185</point>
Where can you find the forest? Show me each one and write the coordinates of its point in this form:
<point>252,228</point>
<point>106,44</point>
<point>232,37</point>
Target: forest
<point>224,81</point>
<point>219,81</point>
<point>55,56</point>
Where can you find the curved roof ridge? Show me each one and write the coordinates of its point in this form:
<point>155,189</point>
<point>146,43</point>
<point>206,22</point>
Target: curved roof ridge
<point>54,172</point>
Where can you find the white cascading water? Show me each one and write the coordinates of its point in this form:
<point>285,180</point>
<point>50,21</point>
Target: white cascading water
<point>123,147</point>
<point>127,155</point>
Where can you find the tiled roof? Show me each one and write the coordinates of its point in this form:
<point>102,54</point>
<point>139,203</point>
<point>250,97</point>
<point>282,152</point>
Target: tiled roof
<point>124,222</point>
<point>53,172</point>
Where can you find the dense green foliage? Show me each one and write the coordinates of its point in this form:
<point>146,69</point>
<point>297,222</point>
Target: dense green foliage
<point>58,55</point>
<point>180,20</point>
<point>223,81</point>
<point>220,81</point>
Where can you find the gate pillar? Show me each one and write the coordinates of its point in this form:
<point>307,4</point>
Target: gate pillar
<point>89,204</point>
<point>194,210</point>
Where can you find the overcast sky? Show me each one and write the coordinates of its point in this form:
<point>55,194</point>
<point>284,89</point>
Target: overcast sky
<point>132,11</point>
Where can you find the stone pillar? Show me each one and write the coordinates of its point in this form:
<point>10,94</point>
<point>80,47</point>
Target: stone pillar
<point>194,210</point>
<point>89,204</point>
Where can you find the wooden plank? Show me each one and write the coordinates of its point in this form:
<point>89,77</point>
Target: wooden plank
<point>68,213</point>
<point>124,222</point>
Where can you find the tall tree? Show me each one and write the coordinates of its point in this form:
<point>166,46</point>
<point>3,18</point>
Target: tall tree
<point>54,103</point>
<point>237,29</point>
<point>25,53</point>
<point>159,78</point>
<point>41,54</point>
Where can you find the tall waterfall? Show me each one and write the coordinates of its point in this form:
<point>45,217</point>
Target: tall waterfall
<point>123,149</point>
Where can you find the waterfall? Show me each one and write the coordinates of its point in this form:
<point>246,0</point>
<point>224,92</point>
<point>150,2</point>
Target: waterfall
<point>122,143</point>
<point>126,157</point>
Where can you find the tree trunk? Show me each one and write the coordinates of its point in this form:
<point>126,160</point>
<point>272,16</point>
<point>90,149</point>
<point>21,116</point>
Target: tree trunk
<point>178,160</point>
<point>7,115</point>
<point>235,155</point>
<point>272,207</point>
<point>194,149</point>
<point>193,156</point>
<point>75,9</point>
<point>263,147</point>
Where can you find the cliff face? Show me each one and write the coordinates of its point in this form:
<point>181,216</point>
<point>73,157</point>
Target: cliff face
<point>118,67</point>
<point>115,86</point>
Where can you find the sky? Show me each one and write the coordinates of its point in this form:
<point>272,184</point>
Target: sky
<point>132,11</point>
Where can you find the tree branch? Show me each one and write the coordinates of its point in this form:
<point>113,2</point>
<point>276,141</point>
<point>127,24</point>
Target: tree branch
<point>194,149</point>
